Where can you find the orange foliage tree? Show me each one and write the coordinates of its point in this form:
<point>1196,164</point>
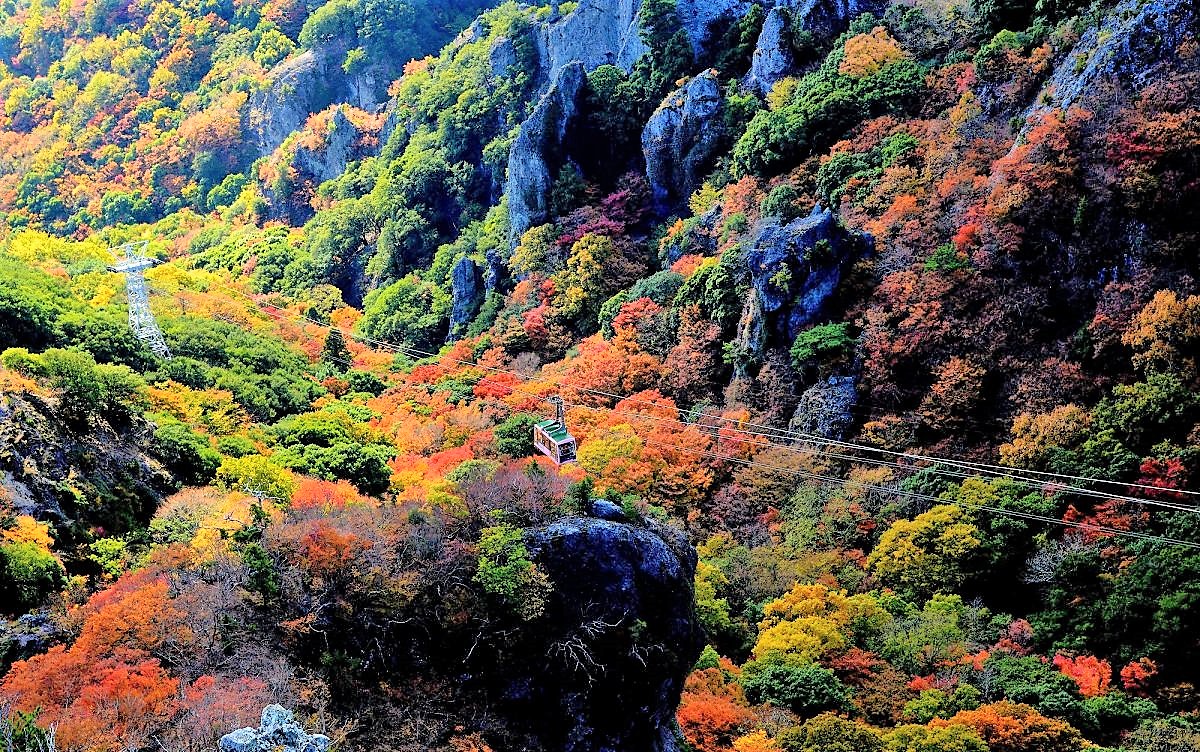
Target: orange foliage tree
<point>1010,727</point>
<point>713,711</point>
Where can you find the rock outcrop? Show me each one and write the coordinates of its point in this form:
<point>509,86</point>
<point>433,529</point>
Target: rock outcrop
<point>29,635</point>
<point>338,150</point>
<point>309,159</point>
<point>466,284</point>
<point>303,85</point>
<point>682,138</point>
<point>53,473</point>
<point>537,151</point>
<point>751,337</point>
<point>795,269</point>
<point>277,732</point>
<point>619,635</point>
<point>595,33</point>
<point>825,19</point>
<point>825,408</point>
<point>698,16</point>
<point>608,32</point>
<point>774,57</point>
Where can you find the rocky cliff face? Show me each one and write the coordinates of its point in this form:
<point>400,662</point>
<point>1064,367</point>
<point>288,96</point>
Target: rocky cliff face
<point>600,32</point>
<point>682,138</point>
<point>598,668</point>
<point>466,284</point>
<point>330,160</point>
<point>597,32</point>
<point>308,165</point>
<point>615,643</point>
<point>698,16</point>
<point>773,55</point>
<point>1131,46</point>
<point>536,152</point>
<point>303,85</point>
<point>825,19</point>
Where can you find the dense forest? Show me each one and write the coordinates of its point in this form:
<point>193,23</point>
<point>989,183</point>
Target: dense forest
<point>876,325</point>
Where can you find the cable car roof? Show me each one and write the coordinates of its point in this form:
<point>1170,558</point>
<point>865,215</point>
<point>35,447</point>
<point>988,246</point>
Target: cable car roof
<point>554,430</point>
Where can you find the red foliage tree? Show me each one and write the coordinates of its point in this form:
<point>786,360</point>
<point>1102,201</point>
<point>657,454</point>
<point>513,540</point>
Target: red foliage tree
<point>1091,674</point>
<point>1137,675</point>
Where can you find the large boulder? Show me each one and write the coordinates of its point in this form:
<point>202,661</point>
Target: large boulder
<point>796,267</point>
<point>682,138</point>
<point>603,667</point>
<point>536,154</point>
<point>277,732</point>
<point>825,409</point>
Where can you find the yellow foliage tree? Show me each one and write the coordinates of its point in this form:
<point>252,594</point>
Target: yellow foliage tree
<point>755,742</point>
<point>33,246</point>
<point>867,54</point>
<point>1064,427</point>
<point>256,474</point>
<point>1165,334</point>
<point>28,530</point>
<point>782,92</point>
<point>536,251</point>
<point>812,621</point>
<point>928,554</point>
<point>583,280</point>
<point>213,409</point>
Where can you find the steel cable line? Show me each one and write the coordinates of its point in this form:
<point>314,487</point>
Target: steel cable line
<point>926,497</point>
<point>896,465</point>
<point>770,432</point>
<point>1033,484</point>
<point>983,467</point>
<point>1012,513</point>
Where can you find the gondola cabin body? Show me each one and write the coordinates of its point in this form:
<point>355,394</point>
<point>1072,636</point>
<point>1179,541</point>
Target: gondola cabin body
<point>551,438</point>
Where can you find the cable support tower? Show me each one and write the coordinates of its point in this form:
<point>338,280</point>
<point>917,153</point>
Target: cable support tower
<point>132,262</point>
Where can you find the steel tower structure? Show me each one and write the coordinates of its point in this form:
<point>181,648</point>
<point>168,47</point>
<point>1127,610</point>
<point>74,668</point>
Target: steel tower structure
<point>133,263</point>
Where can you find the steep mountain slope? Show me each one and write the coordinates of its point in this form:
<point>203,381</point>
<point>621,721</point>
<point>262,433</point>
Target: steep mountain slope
<point>891,307</point>
<point>129,111</point>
